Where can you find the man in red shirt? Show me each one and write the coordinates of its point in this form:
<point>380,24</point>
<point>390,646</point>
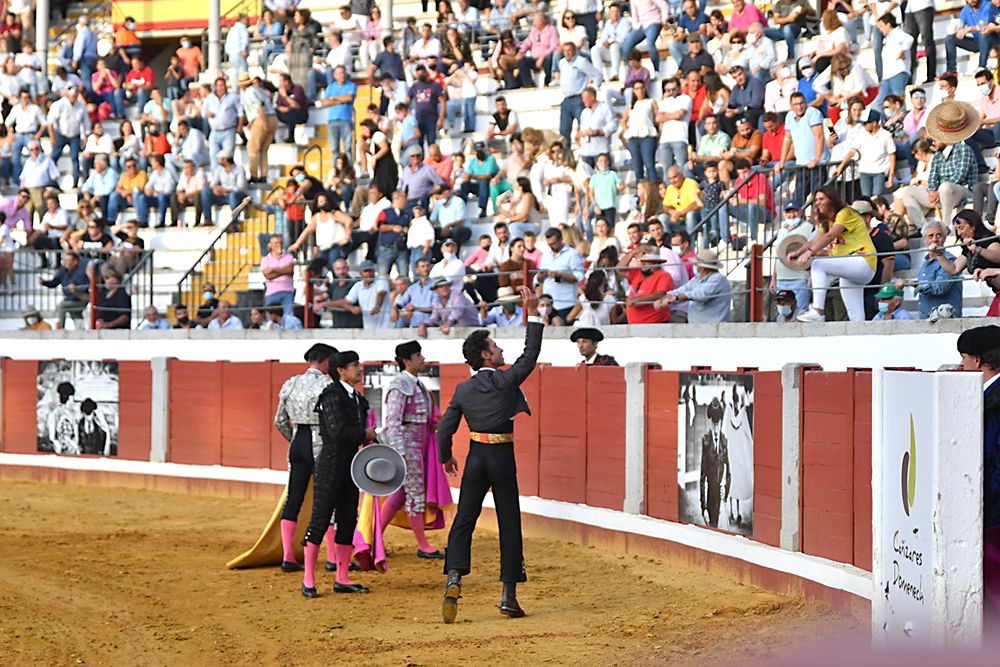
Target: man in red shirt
<point>773,139</point>
<point>138,83</point>
<point>648,284</point>
<point>695,89</point>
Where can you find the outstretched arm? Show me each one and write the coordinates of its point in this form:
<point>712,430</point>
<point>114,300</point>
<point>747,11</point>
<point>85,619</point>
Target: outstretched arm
<point>522,368</point>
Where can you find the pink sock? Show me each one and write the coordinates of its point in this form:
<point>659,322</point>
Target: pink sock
<point>344,553</point>
<point>417,525</point>
<point>390,506</point>
<point>288,540</point>
<point>330,553</point>
<point>311,552</point>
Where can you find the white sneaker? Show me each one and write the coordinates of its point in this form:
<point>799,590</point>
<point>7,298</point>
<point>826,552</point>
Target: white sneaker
<point>811,315</point>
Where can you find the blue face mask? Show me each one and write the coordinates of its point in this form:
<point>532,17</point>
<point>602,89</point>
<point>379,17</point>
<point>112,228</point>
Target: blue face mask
<point>985,89</point>
<point>299,177</point>
<point>785,311</point>
<point>883,307</point>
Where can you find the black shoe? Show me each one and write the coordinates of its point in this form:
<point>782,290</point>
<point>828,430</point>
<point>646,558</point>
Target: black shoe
<point>332,567</point>
<point>430,555</point>
<point>508,602</point>
<point>349,588</point>
<point>452,593</point>
<point>309,592</point>
<point>290,566</point>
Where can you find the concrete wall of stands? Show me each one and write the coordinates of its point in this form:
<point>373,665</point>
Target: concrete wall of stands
<point>572,447</point>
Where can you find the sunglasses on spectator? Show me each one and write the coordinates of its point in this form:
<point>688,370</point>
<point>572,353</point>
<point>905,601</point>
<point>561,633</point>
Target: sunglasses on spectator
<point>670,90</point>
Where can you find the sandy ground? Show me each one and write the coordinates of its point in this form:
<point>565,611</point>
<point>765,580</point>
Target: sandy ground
<point>106,576</point>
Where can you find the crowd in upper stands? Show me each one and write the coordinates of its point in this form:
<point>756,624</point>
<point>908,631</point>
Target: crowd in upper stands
<point>662,163</point>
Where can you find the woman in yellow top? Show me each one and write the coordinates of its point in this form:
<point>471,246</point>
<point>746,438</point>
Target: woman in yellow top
<point>842,248</point>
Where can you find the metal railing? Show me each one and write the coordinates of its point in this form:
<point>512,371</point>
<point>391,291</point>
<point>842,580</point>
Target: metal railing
<point>229,259</point>
<point>21,287</point>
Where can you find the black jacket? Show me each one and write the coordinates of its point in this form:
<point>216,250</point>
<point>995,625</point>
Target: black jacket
<point>490,399</point>
<point>341,419</point>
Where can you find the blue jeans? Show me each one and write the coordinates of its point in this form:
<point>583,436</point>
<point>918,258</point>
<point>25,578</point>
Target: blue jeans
<point>341,136</point>
<point>428,131</point>
<point>902,262</point>
<point>894,85</point>
<point>788,32</point>
<point>678,49</point>
<point>316,80</point>
<point>877,38</point>
<point>465,106</point>
<point>753,215</point>
<point>221,141</point>
<point>526,66</point>
<point>60,142</point>
<point>140,98</point>
<point>21,142</point>
<point>387,255</point>
<point>570,109</point>
<point>650,34</point>
<point>117,203</point>
<point>238,65</point>
<point>801,288</point>
<point>333,253</point>
<point>85,70</point>
<point>669,154</point>
<point>479,188</point>
<point>143,202</point>
<point>643,152</point>
<point>286,299</point>
<point>973,43</point>
<point>872,184</point>
<point>210,200</point>
<point>719,224</point>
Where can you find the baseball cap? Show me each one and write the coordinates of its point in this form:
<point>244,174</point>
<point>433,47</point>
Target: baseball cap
<point>870,116</point>
<point>863,207</point>
<point>785,295</point>
<point>742,120</point>
<point>792,205</point>
<point>367,265</point>
<point>889,291</point>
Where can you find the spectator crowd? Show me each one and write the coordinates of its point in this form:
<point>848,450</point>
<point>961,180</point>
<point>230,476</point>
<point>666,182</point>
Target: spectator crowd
<point>684,136</point>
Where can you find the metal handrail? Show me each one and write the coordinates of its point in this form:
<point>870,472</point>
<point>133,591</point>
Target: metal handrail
<point>212,246</point>
<point>305,156</point>
<point>101,9</point>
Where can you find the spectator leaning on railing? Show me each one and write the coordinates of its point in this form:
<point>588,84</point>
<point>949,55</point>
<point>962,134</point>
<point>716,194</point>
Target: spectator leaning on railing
<point>72,277</point>
<point>114,305</point>
<point>278,268</point>
<point>152,321</point>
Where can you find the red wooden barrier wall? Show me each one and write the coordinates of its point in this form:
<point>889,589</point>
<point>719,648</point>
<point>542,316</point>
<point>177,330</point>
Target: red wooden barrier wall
<point>605,436</point>
<point>20,401</point>
<point>195,412</point>
<point>662,391</point>
<point>451,376</point>
<point>526,427</point>
<point>246,417</point>
<point>836,466</point>
<point>562,452</point>
<point>135,400</point>
<point>767,430</point>
<point>277,445</point>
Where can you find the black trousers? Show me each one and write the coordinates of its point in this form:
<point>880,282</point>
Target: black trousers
<point>334,491</point>
<point>300,469</point>
<point>488,467</point>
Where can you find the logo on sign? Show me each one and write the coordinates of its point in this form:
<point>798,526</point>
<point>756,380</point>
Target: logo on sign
<point>909,472</point>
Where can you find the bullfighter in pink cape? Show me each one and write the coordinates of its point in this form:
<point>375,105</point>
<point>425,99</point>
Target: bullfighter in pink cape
<point>409,429</point>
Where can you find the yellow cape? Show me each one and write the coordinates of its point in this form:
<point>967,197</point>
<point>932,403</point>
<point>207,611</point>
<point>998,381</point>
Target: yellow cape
<point>267,549</point>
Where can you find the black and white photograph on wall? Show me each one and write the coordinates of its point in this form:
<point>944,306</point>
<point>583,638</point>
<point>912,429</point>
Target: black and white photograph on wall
<point>715,451</point>
<point>378,377</point>
<point>78,407</point>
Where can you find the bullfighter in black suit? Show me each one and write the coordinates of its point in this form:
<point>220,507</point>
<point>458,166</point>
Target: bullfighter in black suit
<point>489,400</point>
<point>586,339</point>
<point>343,412</point>
<point>715,472</point>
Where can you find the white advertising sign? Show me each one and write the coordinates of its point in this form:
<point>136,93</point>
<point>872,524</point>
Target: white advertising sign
<point>907,432</point>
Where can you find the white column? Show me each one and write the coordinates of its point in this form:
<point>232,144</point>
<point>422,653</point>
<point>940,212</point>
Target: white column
<point>927,509</point>
<point>635,438</point>
<point>159,418</point>
<point>791,456</point>
<point>386,8</point>
<point>42,42</point>
<point>215,37</point>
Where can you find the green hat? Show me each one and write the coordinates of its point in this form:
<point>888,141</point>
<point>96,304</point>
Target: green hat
<point>888,291</point>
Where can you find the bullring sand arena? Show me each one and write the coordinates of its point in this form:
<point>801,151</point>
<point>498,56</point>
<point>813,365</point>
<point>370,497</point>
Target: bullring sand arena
<point>103,575</point>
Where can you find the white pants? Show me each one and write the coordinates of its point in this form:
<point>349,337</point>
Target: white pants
<point>600,55</point>
<point>917,203</point>
<point>854,272</point>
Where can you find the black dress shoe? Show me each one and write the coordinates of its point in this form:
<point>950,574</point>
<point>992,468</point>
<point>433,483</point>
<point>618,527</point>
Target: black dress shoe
<point>430,555</point>
<point>349,588</point>
<point>290,566</point>
<point>508,602</point>
<point>309,592</point>
<point>332,567</point>
<point>452,593</point>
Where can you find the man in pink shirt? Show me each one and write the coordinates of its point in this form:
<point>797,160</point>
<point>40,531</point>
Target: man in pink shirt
<point>988,135</point>
<point>648,19</point>
<point>744,15</point>
<point>537,49</point>
<point>277,266</point>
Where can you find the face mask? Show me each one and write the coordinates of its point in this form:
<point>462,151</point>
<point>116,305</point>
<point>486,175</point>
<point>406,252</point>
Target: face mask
<point>186,44</point>
<point>791,223</point>
<point>32,321</point>
<point>543,310</point>
<point>130,25</point>
<point>883,307</point>
<point>448,255</point>
<point>751,38</point>
<point>481,155</point>
<point>985,89</point>
<point>422,78</point>
<point>807,72</point>
<point>888,112</point>
<point>208,296</point>
<point>784,311</point>
<point>299,177</point>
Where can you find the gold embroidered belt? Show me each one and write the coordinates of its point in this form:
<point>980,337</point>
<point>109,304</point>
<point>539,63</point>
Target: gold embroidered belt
<point>491,438</point>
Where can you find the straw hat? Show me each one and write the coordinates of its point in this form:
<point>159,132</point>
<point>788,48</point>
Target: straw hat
<point>708,259</point>
<point>243,80</point>
<point>788,245</point>
<point>507,295</point>
<point>953,122</point>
